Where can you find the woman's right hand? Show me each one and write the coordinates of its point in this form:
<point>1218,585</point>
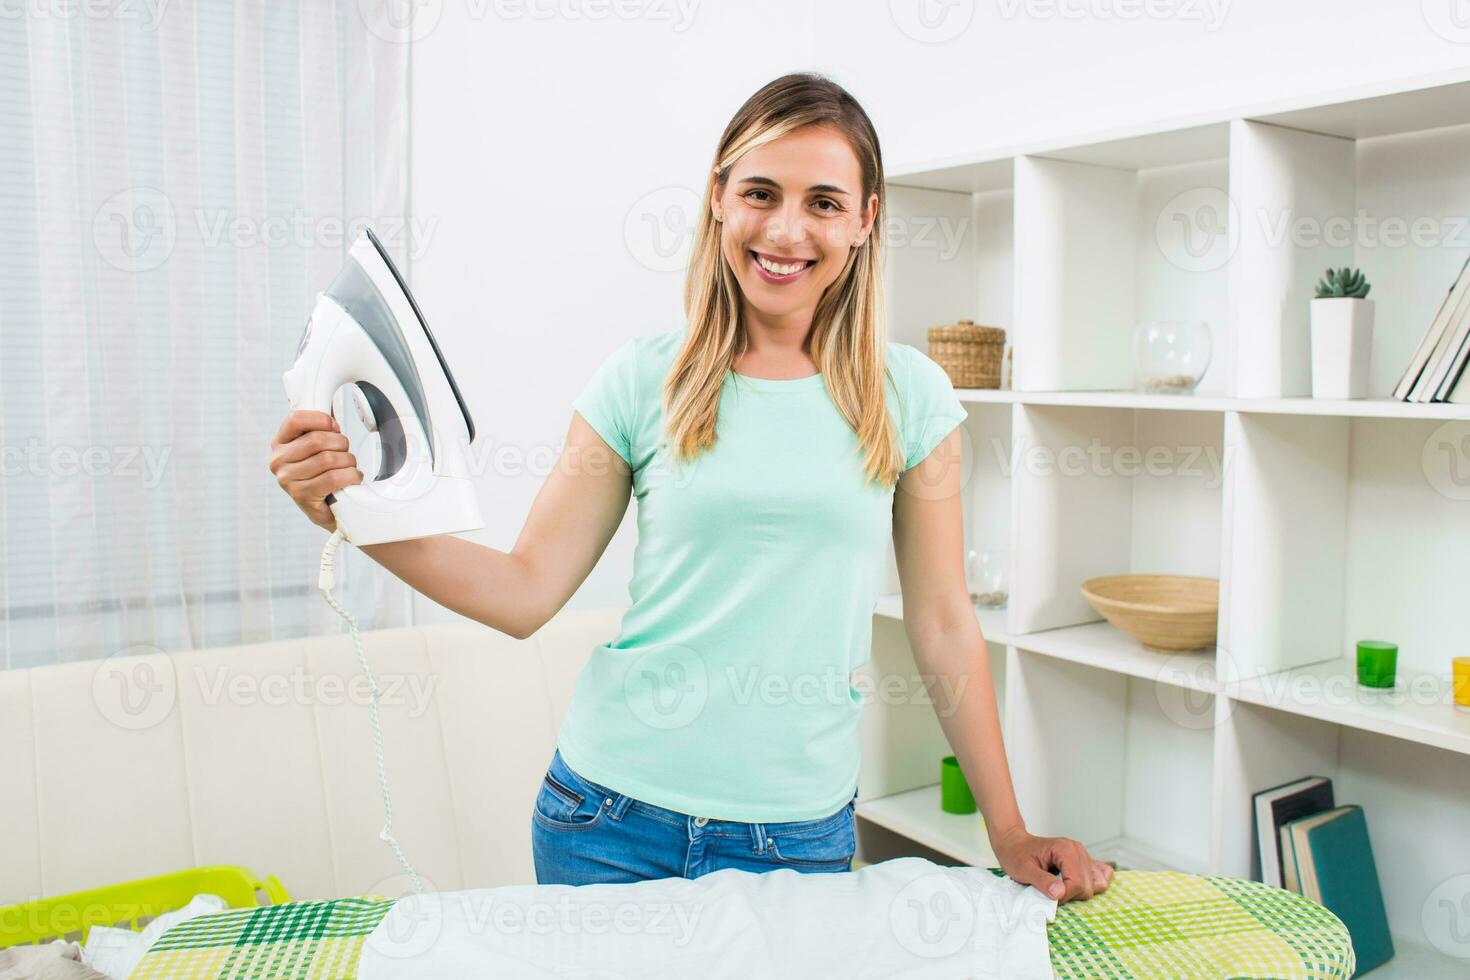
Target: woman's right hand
<point>310,459</point>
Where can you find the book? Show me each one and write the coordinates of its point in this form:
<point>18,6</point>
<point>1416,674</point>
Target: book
<point>1447,350</point>
<point>1448,370</point>
<point>1432,336</point>
<point>1460,393</point>
<point>1453,390</point>
<point>1456,365</point>
<point>1288,860</point>
<point>1333,858</point>
<point>1276,806</point>
<point>1424,387</point>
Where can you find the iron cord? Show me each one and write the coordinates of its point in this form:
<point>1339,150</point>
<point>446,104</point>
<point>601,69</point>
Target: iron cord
<point>325,582</point>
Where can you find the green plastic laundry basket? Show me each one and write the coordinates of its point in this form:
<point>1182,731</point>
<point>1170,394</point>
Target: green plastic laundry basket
<point>132,905</point>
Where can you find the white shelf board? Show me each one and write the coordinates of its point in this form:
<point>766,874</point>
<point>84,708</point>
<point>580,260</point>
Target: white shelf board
<point>1383,115</point>
<point>992,621</point>
<point>998,396</point>
<point>1419,709</point>
<point>1104,646</point>
<point>1370,408</point>
<point>1385,408</point>
<point>1378,108</point>
<point>971,178</point>
<point>1137,855</point>
<point>1413,961</point>
<point>916,815</point>
<point>1099,644</point>
<point>1166,149</point>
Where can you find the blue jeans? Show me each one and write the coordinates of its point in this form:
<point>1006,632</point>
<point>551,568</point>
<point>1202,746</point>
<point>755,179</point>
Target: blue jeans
<point>584,833</point>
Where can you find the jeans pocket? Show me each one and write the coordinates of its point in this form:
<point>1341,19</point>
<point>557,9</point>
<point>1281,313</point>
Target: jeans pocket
<point>823,845</point>
<point>560,807</point>
<point>567,801</point>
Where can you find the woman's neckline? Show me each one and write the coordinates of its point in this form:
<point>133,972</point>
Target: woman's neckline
<point>780,384</point>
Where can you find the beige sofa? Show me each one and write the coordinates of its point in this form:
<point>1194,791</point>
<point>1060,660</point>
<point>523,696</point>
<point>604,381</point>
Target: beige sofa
<point>262,756</point>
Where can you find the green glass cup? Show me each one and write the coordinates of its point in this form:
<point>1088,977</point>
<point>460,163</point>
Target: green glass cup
<point>954,790</point>
<point>1377,663</point>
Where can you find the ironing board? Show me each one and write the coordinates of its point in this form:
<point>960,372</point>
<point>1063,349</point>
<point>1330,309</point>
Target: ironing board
<point>1148,924</point>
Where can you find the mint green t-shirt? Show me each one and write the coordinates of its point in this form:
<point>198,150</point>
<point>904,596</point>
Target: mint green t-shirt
<point>726,693</point>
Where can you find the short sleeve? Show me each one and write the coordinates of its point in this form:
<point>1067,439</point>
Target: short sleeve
<point>609,400</point>
<point>931,409</point>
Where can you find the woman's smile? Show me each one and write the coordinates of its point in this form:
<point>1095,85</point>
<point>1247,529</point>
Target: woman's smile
<point>778,270</point>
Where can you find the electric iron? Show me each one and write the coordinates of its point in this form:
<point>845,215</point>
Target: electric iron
<point>366,331</point>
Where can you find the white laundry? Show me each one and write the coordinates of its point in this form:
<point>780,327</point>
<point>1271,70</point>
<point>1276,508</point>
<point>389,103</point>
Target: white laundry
<point>906,918</point>
<point>116,952</point>
<point>56,960</point>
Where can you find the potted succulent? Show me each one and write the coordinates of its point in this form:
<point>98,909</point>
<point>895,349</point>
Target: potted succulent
<point>1342,335</point>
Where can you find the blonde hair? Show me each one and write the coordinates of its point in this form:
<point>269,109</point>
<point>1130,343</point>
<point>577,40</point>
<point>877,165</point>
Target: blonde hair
<point>849,328</point>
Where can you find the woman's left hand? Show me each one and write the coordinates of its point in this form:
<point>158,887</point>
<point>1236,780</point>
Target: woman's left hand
<point>1029,860</point>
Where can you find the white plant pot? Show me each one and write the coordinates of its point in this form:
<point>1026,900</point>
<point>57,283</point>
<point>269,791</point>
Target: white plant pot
<point>1342,344</point>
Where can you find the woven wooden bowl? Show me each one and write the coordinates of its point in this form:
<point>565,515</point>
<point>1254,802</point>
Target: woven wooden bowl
<point>1166,613</point>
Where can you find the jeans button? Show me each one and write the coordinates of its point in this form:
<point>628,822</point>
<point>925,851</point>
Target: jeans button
<point>700,821</point>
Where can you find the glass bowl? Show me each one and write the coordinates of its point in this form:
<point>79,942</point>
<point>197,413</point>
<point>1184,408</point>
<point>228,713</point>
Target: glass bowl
<point>1170,356</point>
<point>989,577</point>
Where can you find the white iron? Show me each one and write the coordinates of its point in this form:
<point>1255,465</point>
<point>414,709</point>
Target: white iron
<point>367,331</point>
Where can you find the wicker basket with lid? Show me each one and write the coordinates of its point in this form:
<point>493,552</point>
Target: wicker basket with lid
<point>970,354</point>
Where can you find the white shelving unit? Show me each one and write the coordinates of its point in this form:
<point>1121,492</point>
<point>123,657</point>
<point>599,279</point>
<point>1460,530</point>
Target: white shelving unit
<point>1325,521</point>
<point>1382,408</point>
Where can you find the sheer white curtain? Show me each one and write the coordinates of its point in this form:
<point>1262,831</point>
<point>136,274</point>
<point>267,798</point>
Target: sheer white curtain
<point>177,181</point>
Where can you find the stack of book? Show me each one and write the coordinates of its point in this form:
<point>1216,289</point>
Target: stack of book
<point>1308,845</point>
<point>1436,371</point>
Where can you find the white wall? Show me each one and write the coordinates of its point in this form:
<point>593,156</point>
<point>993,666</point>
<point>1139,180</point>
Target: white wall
<point>554,149</point>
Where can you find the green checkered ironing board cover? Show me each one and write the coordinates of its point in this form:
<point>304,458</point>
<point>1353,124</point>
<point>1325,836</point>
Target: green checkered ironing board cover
<point>294,939</point>
<point>1151,924</point>
<point>1147,925</point>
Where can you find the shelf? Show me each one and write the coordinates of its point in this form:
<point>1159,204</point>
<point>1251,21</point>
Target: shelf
<point>1384,408</point>
<point>1374,109</point>
<point>1319,527</point>
<point>917,816</point>
<point>1136,855</point>
<point>1099,644</point>
<point>992,621</point>
<point>1103,645</point>
<point>1383,115</point>
<point>1418,710</point>
<point>998,396</point>
<point>1412,961</point>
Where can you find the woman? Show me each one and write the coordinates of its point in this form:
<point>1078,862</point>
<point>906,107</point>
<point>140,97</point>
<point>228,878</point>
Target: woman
<point>773,443</point>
